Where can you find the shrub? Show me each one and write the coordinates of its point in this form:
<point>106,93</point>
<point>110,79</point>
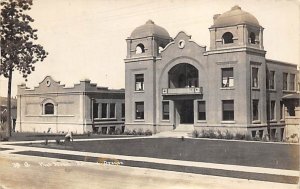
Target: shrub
<point>204,134</point>
<point>140,132</point>
<point>195,134</point>
<point>148,132</point>
<point>248,137</point>
<point>239,136</point>
<point>228,135</point>
<point>118,131</point>
<point>134,132</point>
<point>127,132</point>
<point>219,134</point>
<point>211,133</point>
<point>266,138</point>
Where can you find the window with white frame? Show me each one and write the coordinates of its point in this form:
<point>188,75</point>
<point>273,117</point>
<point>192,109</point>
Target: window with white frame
<point>112,110</point>
<point>272,113</point>
<point>104,107</point>
<point>272,80</point>
<point>166,110</point>
<point>201,110</point>
<point>139,82</point>
<point>139,110</point>
<point>227,77</point>
<point>95,110</point>
<point>123,110</point>
<point>228,110</point>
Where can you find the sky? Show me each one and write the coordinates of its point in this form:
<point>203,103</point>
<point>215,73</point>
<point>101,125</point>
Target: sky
<point>86,38</point>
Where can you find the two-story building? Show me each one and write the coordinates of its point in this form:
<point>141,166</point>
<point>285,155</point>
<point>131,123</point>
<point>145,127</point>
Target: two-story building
<point>174,83</point>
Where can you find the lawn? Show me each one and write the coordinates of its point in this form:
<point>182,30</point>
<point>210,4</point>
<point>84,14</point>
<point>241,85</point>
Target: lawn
<point>271,155</point>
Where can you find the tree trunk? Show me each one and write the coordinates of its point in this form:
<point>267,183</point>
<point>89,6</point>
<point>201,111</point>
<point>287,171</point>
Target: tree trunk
<point>9,103</point>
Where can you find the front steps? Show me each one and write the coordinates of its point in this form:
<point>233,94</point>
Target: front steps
<point>182,130</point>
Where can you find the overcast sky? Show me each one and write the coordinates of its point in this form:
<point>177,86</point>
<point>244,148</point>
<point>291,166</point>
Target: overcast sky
<point>86,38</point>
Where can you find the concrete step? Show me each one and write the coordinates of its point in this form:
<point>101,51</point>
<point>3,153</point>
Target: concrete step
<point>185,128</point>
<point>173,134</point>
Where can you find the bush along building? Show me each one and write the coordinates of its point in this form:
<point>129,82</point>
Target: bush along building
<point>53,108</point>
<point>176,84</point>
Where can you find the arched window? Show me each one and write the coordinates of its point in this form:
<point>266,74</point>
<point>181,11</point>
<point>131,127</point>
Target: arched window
<point>140,48</point>
<point>183,75</point>
<point>227,38</point>
<point>252,38</point>
<point>49,109</point>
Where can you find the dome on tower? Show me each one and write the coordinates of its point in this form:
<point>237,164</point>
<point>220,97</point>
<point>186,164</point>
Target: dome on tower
<point>234,17</point>
<point>149,29</point>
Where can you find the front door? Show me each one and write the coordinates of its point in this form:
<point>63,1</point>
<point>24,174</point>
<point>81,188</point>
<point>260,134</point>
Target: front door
<point>184,112</point>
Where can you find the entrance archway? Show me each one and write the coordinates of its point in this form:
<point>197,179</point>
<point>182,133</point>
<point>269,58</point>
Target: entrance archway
<point>183,76</point>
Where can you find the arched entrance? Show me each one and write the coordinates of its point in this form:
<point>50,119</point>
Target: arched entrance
<point>182,79</point>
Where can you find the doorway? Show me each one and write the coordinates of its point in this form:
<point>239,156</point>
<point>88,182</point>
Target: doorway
<point>184,112</point>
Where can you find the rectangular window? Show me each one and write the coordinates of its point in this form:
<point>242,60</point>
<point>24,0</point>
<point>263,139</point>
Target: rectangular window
<point>139,110</point>
<point>112,110</point>
<point>139,82</point>
<point>104,110</point>
<point>123,110</point>
<point>201,110</point>
<point>255,108</point>
<point>281,110</point>
<point>227,77</point>
<point>166,110</point>
<point>255,77</point>
<point>228,110</point>
<point>272,80</point>
<point>284,85</point>
<point>95,110</point>
<point>272,113</point>
<point>292,82</point>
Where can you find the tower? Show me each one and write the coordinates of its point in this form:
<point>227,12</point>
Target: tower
<point>143,49</point>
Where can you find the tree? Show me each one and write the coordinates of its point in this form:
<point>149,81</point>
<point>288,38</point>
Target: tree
<point>18,50</point>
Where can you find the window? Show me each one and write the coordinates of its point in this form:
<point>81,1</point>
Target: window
<point>228,110</point>
<point>201,110</point>
<point>252,38</point>
<point>139,82</point>
<point>227,38</point>
<point>227,77</point>
<point>284,85</point>
<point>292,82</point>
<point>95,110</point>
<point>255,77</point>
<point>139,110</point>
<point>166,110</point>
<point>272,80</point>
<point>123,110</point>
<point>255,115</point>
<point>49,109</point>
<point>104,110</point>
<point>112,110</point>
<point>140,48</point>
<point>272,113</point>
<point>281,110</point>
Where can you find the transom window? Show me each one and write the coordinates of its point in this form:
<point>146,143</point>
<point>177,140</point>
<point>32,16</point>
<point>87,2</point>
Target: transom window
<point>227,77</point>
<point>183,75</point>
<point>227,38</point>
<point>139,82</point>
<point>49,109</point>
